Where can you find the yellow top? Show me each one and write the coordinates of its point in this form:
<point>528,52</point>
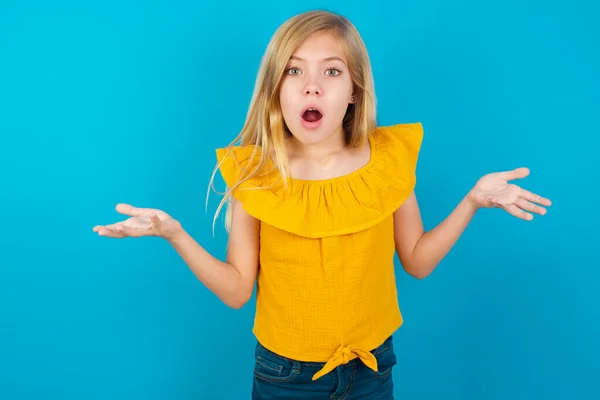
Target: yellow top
<point>326,289</point>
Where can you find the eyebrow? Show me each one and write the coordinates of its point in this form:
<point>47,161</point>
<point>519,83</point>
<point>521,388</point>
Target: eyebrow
<point>325,59</point>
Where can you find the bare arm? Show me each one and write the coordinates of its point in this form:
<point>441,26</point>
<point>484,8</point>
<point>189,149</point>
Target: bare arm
<point>232,281</point>
<point>419,251</point>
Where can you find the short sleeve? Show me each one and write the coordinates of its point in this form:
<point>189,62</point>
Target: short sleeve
<point>397,154</point>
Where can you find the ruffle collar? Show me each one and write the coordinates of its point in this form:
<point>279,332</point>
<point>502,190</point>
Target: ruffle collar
<point>334,206</point>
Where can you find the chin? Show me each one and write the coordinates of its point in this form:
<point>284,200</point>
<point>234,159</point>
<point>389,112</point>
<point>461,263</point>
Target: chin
<point>311,136</point>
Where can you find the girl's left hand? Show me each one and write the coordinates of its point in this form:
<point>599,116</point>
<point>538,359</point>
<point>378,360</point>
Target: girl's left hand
<point>494,190</point>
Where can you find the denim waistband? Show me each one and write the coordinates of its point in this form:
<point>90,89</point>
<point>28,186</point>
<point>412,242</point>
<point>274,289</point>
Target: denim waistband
<point>319,364</point>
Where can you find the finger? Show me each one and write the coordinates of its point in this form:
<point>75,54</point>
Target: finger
<point>518,173</point>
<point>105,231</point>
<point>527,195</point>
<point>517,212</point>
<point>99,228</point>
<point>110,227</point>
<point>130,210</point>
<point>132,232</point>
<point>529,206</point>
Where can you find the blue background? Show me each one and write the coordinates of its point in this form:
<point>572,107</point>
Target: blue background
<point>124,101</point>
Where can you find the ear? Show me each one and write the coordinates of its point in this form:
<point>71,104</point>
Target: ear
<point>352,99</point>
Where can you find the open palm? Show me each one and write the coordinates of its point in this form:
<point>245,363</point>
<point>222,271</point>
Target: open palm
<point>142,222</point>
<point>494,190</point>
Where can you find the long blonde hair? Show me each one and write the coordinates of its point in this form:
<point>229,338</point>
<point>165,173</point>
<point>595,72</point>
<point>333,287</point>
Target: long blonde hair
<point>265,127</point>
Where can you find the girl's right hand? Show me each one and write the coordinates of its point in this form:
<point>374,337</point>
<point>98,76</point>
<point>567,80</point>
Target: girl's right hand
<point>143,222</point>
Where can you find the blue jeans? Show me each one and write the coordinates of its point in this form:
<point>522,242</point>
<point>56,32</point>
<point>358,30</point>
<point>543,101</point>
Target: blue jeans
<point>280,378</point>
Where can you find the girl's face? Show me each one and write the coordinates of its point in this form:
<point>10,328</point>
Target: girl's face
<point>316,90</point>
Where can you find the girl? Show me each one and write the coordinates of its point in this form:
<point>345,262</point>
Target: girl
<point>319,199</point>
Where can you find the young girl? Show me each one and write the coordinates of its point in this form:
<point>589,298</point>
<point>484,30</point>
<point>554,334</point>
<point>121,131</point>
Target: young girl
<point>319,201</point>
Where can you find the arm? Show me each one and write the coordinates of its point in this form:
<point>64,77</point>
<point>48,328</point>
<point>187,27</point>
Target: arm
<point>232,281</point>
<point>420,252</point>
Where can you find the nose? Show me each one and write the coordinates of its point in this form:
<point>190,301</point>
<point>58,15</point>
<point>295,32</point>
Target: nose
<point>312,86</point>
<point>312,89</point>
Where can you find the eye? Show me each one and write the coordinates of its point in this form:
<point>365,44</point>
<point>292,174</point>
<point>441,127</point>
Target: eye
<point>333,71</point>
<point>292,71</point>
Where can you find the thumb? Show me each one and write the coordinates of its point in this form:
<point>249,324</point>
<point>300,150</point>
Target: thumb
<point>491,201</point>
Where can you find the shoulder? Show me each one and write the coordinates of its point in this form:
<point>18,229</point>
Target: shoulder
<point>245,166</point>
<point>237,153</point>
<point>404,138</point>
<point>395,151</point>
<point>331,207</point>
<point>236,156</point>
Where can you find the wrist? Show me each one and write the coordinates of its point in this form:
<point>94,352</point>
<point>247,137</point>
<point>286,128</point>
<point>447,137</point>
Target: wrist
<point>175,235</point>
<point>471,202</point>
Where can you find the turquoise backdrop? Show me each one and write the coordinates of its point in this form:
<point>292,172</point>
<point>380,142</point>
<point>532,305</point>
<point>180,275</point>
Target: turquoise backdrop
<point>125,101</point>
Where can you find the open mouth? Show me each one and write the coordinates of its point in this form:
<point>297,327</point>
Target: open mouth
<point>312,115</point>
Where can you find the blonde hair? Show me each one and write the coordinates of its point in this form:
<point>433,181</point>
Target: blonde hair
<point>265,127</point>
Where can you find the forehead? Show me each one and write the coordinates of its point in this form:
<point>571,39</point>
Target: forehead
<point>319,46</point>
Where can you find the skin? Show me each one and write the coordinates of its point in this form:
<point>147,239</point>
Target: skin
<point>318,75</point>
<point>320,154</point>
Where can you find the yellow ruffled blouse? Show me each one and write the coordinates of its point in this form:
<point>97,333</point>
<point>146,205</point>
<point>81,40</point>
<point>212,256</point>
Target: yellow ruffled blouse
<point>326,289</point>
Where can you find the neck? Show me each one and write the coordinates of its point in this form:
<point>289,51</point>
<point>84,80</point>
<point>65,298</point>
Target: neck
<point>334,144</point>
